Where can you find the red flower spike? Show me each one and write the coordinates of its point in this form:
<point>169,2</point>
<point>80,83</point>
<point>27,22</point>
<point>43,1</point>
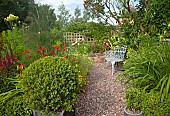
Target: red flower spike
<point>56,47</point>
<point>55,54</point>
<point>38,51</point>
<point>43,49</point>
<point>15,58</point>
<point>26,51</point>
<point>2,65</point>
<point>30,48</point>
<point>51,52</point>
<point>39,47</point>
<point>64,49</point>
<point>74,58</point>
<point>45,55</point>
<point>66,57</point>
<point>29,56</point>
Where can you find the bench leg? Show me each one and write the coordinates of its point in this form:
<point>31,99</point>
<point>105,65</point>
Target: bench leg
<point>113,67</point>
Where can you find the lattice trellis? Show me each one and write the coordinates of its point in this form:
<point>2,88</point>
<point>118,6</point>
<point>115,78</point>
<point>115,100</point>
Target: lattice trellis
<point>71,37</point>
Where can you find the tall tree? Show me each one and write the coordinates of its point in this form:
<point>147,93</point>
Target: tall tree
<point>41,19</point>
<point>19,8</point>
<point>77,14</point>
<point>86,15</point>
<point>108,10</point>
<point>63,16</point>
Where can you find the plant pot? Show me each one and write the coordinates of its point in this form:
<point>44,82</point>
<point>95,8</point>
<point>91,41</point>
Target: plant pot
<point>37,113</point>
<point>127,113</point>
<point>67,113</point>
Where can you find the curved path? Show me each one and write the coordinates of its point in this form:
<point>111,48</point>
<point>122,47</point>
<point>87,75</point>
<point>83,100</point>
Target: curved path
<point>104,94</point>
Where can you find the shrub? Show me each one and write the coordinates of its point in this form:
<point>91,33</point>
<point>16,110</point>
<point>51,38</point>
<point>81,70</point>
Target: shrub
<point>152,105</point>
<point>133,99</point>
<point>50,84</point>
<point>83,65</point>
<point>148,68</point>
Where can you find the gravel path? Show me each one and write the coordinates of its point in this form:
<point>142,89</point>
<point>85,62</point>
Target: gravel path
<point>103,95</point>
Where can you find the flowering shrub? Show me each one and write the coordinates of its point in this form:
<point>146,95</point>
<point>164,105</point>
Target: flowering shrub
<point>31,55</point>
<point>8,70</point>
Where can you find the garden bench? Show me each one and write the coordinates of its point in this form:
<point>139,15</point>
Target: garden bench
<point>116,55</point>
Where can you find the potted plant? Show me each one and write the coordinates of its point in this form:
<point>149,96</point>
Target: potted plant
<point>133,102</point>
<point>50,86</point>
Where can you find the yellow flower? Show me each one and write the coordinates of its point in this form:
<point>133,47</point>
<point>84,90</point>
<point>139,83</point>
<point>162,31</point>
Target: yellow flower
<point>169,25</point>
<point>161,37</point>
<point>11,17</point>
<point>76,65</point>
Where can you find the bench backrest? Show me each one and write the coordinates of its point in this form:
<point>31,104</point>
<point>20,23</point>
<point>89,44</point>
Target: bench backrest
<point>118,52</point>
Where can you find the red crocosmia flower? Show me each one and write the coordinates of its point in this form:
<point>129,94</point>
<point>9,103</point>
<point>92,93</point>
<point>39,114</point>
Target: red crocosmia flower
<point>54,54</point>
<point>74,58</point>
<point>26,51</point>
<point>51,52</point>
<point>43,49</point>
<point>39,47</point>
<point>38,51</point>
<point>22,66</point>
<point>30,48</point>
<point>2,65</point>
<point>29,56</point>
<point>64,49</point>
<point>15,58</point>
<point>66,57</point>
<point>45,55</point>
<point>56,47</point>
<point>7,57</point>
<point>10,57</point>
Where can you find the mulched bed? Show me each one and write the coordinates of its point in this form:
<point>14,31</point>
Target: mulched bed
<point>104,94</point>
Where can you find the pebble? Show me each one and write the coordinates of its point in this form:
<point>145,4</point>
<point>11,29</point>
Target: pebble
<point>103,95</point>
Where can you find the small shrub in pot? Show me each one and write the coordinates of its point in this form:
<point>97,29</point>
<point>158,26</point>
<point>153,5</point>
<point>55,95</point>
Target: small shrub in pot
<point>133,102</point>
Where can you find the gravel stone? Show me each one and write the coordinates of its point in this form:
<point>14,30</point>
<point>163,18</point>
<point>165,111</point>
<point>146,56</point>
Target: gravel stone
<point>104,94</point>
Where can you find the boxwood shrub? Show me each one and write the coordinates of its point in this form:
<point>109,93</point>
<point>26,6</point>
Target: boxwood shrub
<point>50,84</point>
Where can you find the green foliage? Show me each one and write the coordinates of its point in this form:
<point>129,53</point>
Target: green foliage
<point>16,40</point>
<point>41,19</point>
<point>133,99</point>
<point>11,101</point>
<point>50,84</point>
<point>84,65</point>
<point>7,72</point>
<point>152,105</point>
<point>148,68</point>
<point>81,48</point>
<point>159,11</point>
